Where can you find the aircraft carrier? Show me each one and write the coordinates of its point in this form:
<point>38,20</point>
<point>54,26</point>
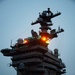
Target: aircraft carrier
<point>31,55</point>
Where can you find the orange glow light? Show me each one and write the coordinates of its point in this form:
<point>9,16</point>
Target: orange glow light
<point>45,39</point>
<point>25,41</point>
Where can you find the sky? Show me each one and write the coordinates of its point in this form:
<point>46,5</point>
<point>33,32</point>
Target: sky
<point>16,17</point>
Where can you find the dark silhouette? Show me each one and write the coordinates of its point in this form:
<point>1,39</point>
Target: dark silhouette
<point>31,56</point>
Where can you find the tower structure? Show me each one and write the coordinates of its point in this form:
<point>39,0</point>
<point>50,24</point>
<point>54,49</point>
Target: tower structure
<point>32,56</point>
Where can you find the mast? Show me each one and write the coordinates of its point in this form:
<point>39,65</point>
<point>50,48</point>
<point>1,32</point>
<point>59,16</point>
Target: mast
<point>45,22</point>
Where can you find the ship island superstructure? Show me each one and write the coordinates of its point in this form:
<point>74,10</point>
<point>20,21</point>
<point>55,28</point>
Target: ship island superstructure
<point>32,56</point>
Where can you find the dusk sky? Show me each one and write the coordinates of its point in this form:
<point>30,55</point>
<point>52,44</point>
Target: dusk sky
<point>16,17</point>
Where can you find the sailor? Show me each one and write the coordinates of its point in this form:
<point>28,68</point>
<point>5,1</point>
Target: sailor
<point>34,34</point>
